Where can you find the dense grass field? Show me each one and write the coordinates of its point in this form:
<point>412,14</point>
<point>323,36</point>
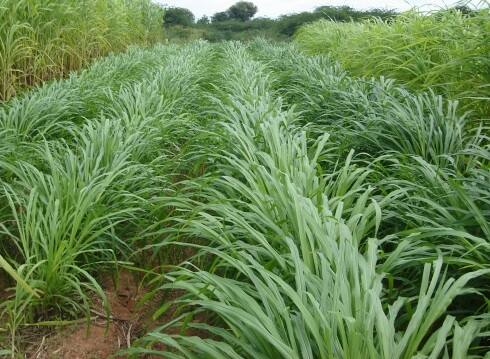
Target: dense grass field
<point>447,52</point>
<point>302,212</point>
<point>42,40</point>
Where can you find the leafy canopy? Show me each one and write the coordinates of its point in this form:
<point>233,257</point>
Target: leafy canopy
<point>178,16</point>
<point>242,10</point>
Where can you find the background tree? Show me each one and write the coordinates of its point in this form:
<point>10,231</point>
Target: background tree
<point>465,9</point>
<point>178,16</point>
<point>204,20</point>
<point>242,10</point>
<point>220,16</point>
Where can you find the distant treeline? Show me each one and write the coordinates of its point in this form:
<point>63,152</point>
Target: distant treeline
<point>237,23</point>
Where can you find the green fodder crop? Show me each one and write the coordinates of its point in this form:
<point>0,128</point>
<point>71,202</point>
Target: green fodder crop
<point>78,170</point>
<point>318,215</point>
<point>415,143</point>
<point>304,250</point>
<point>446,51</point>
<point>41,40</point>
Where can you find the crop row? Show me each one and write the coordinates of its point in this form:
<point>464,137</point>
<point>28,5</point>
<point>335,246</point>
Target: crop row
<point>341,218</point>
<point>326,216</point>
<point>79,162</point>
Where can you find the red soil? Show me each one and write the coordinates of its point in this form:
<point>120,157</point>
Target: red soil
<point>107,334</point>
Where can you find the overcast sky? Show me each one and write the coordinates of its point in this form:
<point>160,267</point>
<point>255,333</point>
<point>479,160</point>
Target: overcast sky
<point>273,8</point>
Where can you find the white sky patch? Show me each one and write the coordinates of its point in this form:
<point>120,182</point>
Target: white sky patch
<point>274,8</point>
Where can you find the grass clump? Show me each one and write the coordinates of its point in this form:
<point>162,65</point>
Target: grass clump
<point>445,51</point>
<point>42,40</point>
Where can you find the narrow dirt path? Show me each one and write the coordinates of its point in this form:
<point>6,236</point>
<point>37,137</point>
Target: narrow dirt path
<point>106,335</point>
